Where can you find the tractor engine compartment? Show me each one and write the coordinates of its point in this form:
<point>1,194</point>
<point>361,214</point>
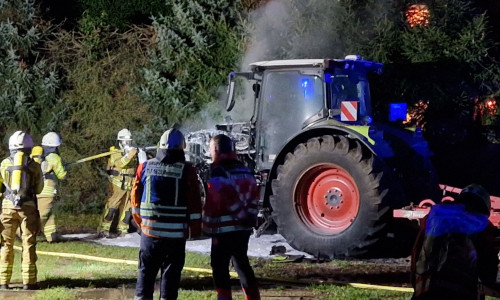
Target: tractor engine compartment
<point>198,149</point>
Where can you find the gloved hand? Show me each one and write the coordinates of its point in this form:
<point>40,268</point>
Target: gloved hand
<point>132,152</point>
<point>142,156</point>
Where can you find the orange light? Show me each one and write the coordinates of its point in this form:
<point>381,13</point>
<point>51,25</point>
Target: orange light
<point>491,104</point>
<point>417,15</point>
<point>416,112</point>
<point>488,107</point>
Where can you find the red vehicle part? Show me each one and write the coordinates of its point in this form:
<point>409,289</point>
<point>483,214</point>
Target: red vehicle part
<point>417,212</point>
<point>328,198</point>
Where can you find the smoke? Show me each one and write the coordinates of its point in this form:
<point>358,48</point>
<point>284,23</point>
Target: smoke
<point>267,30</point>
<point>291,29</point>
<point>287,29</point>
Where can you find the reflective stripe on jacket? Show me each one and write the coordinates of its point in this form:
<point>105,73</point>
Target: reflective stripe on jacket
<point>122,171</point>
<point>166,200</point>
<point>232,198</point>
<point>53,170</point>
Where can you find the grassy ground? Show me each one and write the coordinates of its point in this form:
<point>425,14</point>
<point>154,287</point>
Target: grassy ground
<point>64,278</point>
<point>73,278</point>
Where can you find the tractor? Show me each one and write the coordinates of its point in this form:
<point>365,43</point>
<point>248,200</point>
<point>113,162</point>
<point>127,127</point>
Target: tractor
<point>330,174</point>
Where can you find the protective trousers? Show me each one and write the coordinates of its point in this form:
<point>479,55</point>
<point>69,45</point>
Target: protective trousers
<point>114,211</point>
<point>232,247</point>
<point>48,223</point>
<point>166,255</point>
<point>27,218</point>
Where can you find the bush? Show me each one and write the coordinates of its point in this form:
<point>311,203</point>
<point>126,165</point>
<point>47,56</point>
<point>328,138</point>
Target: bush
<point>98,100</point>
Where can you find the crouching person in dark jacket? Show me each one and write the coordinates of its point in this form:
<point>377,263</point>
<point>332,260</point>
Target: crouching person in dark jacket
<point>455,248</point>
<point>229,214</point>
<point>166,204</point>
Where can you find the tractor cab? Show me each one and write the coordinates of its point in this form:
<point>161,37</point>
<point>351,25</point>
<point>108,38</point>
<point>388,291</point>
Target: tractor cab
<point>292,95</point>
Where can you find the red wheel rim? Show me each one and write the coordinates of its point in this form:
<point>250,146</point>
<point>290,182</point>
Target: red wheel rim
<point>327,199</point>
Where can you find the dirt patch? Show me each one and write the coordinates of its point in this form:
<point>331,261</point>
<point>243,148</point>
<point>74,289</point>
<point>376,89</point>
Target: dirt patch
<point>391,272</point>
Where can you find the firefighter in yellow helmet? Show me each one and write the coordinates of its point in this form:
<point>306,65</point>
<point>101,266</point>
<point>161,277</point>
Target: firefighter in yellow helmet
<point>121,170</point>
<point>23,179</point>
<point>53,171</point>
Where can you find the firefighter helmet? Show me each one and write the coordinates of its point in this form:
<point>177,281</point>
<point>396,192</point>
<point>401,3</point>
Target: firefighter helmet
<point>124,135</point>
<point>172,139</point>
<point>36,154</point>
<point>51,139</point>
<point>20,140</point>
<point>476,199</point>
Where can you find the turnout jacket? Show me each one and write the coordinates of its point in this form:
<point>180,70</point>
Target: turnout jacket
<point>166,198</point>
<point>232,198</point>
<point>121,168</point>
<point>53,171</point>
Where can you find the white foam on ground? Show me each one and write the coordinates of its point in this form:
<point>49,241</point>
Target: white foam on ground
<point>257,247</point>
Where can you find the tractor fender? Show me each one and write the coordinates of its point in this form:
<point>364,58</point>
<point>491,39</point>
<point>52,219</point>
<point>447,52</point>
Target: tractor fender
<point>303,136</point>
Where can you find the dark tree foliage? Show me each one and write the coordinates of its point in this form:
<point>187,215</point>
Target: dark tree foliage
<point>28,87</point>
<point>197,45</point>
<point>119,14</point>
<point>447,64</point>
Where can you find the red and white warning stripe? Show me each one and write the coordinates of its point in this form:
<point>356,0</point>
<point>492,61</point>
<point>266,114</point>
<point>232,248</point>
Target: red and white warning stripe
<point>348,110</point>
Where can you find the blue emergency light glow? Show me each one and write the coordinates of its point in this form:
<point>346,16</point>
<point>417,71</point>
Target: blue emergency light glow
<point>397,112</point>
<point>328,77</point>
<point>305,84</point>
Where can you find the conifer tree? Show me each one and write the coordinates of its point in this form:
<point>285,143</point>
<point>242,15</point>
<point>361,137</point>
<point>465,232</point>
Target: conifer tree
<point>197,45</point>
<point>446,63</point>
<point>28,87</point>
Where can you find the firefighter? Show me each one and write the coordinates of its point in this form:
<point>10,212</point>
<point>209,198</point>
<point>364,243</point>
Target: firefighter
<point>229,214</point>
<point>23,179</point>
<point>166,204</point>
<point>455,247</point>
<point>121,170</point>
<point>53,171</point>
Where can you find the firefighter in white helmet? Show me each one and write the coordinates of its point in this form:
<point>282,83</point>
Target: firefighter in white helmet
<point>53,171</point>
<point>166,204</point>
<point>23,179</point>
<point>121,170</point>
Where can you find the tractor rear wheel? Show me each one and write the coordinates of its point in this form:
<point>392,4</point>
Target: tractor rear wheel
<point>328,197</point>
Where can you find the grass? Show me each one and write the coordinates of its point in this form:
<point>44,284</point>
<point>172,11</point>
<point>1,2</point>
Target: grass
<point>77,223</point>
<point>72,278</point>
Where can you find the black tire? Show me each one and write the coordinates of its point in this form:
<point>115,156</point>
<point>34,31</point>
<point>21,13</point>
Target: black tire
<point>315,229</point>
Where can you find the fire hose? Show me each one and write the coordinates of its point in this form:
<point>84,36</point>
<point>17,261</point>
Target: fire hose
<point>482,289</point>
<point>233,274</point>
<point>89,158</point>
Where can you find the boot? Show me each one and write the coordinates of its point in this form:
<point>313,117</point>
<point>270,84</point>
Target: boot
<point>30,286</point>
<point>114,234</point>
<point>252,293</point>
<point>55,237</point>
<point>223,294</point>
